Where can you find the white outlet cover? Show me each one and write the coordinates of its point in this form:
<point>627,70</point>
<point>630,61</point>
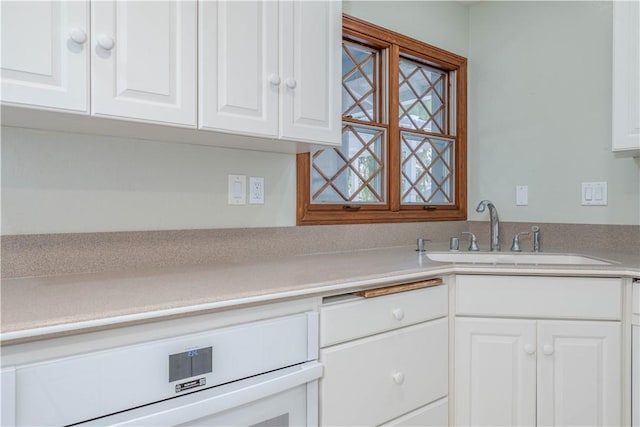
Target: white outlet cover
<point>256,190</point>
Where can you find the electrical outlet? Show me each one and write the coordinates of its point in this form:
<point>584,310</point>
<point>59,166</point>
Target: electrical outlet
<point>256,190</point>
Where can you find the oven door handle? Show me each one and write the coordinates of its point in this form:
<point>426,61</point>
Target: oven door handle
<point>215,400</point>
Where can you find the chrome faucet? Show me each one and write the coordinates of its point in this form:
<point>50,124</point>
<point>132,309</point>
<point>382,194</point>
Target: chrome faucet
<point>495,223</point>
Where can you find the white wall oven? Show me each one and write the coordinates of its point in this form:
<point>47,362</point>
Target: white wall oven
<point>258,374</point>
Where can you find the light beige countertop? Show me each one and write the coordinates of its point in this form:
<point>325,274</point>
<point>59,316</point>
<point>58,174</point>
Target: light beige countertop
<point>41,307</point>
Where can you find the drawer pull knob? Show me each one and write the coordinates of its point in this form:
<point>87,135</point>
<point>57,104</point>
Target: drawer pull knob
<point>547,349</point>
<point>398,313</point>
<point>529,349</point>
<point>398,377</point>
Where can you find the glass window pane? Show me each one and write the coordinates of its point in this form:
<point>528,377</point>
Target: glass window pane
<point>359,82</point>
<point>423,97</point>
<point>354,172</point>
<point>427,172</point>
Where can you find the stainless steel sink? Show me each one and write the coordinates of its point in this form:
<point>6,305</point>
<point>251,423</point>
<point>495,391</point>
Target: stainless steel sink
<point>515,258</point>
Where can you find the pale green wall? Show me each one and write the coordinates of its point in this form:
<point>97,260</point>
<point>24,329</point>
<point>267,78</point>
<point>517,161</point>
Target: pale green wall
<point>540,112</point>
<point>539,102</point>
<point>444,24</point>
<point>54,182</point>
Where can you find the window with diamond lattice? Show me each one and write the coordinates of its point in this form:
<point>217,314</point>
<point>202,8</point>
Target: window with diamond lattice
<point>403,150</point>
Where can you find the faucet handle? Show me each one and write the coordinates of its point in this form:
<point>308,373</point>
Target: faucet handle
<point>473,242</point>
<point>515,247</point>
<point>536,238</point>
<point>420,243</point>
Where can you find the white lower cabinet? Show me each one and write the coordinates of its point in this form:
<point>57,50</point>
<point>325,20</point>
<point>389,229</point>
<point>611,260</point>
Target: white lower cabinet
<point>395,374</point>
<point>536,371</point>
<point>525,372</point>
<point>495,372</point>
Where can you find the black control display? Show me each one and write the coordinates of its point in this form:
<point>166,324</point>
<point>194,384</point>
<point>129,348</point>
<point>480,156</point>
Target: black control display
<point>190,363</point>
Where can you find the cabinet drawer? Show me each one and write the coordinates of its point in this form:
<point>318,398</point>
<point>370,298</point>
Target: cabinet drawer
<point>435,414</point>
<point>344,321</point>
<point>376,379</point>
<point>540,297</point>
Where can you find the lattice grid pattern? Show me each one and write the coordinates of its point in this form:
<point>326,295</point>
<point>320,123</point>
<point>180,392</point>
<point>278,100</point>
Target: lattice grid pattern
<point>355,172</point>
<point>359,82</point>
<point>426,169</point>
<point>423,95</point>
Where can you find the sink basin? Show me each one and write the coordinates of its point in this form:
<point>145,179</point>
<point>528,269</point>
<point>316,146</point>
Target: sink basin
<point>514,258</point>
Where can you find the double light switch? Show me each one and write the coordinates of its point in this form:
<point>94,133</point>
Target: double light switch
<point>594,193</point>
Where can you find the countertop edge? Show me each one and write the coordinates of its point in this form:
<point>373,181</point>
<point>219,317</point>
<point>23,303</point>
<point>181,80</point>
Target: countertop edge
<point>319,290</point>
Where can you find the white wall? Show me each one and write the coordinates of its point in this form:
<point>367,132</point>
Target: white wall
<point>539,112</point>
<point>55,182</point>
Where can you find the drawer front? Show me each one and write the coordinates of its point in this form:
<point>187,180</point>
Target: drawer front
<point>376,379</point>
<point>340,322</point>
<point>540,297</point>
<point>435,414</point>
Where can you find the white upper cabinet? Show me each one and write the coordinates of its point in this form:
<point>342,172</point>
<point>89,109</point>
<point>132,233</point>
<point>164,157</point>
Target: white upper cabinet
<point>239,79</point>
<point>144,62</point>
<point>271,69</point>
<point>626,76</point>
<point>45,48</point>
<point>311,69</point>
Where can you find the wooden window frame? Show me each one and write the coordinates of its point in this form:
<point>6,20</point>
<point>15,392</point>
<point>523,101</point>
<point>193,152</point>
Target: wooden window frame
<point>393,211</point>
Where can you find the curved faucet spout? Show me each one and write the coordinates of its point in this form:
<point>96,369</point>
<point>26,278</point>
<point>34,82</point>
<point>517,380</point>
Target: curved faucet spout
<point>495,223</point>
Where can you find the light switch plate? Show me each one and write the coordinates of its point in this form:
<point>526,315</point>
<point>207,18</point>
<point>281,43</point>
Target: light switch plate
<point>522,195</point>
<point>237,189</point>
<point>594,194</point>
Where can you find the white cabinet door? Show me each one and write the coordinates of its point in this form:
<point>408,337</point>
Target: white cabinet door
<point>495,372</point>
<point>311,68</point>
<point>579,373</point>
<point>239,78</point>
<point>626,76</point>
<point>144,62</point>
<point>42,65</point>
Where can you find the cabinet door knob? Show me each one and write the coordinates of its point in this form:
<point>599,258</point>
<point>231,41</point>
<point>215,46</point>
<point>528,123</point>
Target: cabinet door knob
<point>291,83</point>
<point>398,377</point>
<point>547,349</point>
<point>529,349</point>
<point>398,313</point>
<point>274,79</point>
<point>105,42</point>
<point>78,35</point>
